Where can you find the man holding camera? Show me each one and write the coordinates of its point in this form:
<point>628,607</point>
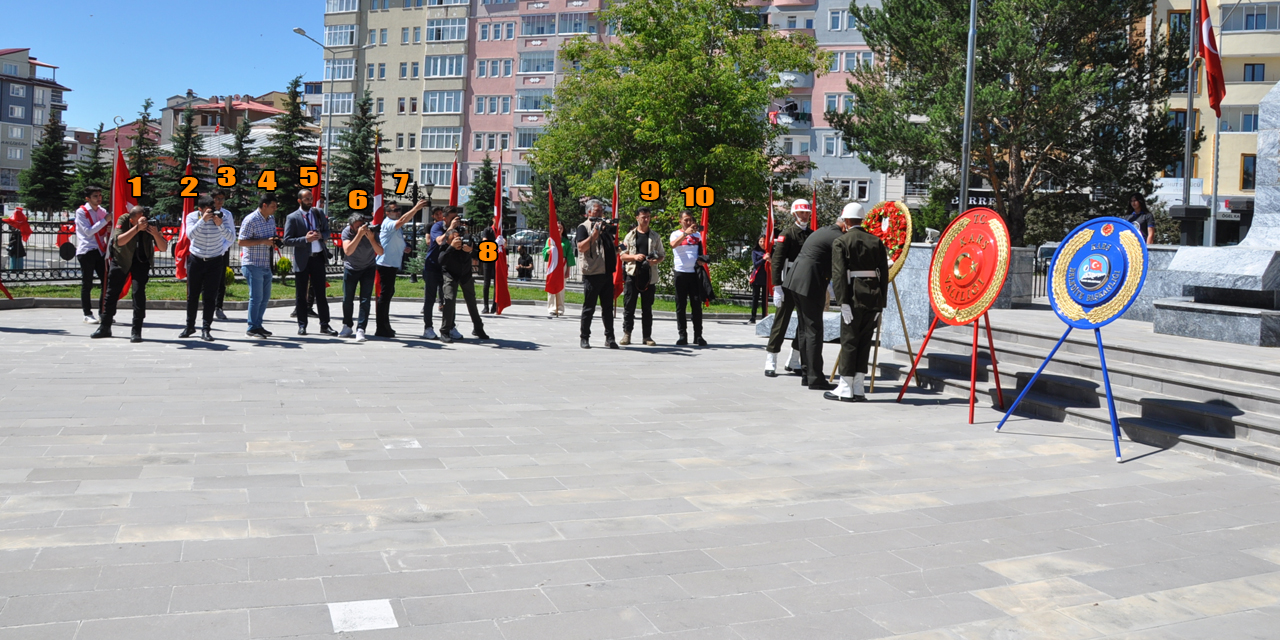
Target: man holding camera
<point>307,231</point>
<point>641,253</point>
<point>210,238</point>
<point>686,246</point>
<point>786,248</point>
<point>257,244</point>
<point>432,273</point>
<point>228,221</point>
<point>455,261</point>
<point>133,240</point>
<point>360,248</point>
<point>598,249</point>
<point>391,237</point>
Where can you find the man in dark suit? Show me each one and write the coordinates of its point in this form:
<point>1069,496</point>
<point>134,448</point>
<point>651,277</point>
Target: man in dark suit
<point>307,231</point>
<point>808,282</point>
<point>860,278</point>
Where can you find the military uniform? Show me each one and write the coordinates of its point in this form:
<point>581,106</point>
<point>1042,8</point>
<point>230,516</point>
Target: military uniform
<point>786,247</point>
<point>860,279</point>
<point>808,282</point>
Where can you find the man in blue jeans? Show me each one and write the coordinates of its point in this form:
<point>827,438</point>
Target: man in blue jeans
<point>360,248</point>
<point>432,275</point>
<point>257,242</point>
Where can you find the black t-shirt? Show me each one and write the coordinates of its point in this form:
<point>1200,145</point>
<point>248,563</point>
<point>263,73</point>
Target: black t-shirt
<point>642,243</point>
<point>610,245</point>
<point>1143,221</point>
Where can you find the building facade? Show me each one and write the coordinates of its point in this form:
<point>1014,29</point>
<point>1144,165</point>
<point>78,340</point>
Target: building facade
<point>1249,34</point>
<point>29,97</point>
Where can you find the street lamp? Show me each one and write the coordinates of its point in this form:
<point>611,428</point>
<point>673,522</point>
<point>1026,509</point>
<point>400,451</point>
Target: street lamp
<point>328,143</point>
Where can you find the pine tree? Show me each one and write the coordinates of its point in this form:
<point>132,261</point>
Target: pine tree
<point>243,196</point>
<point>479,207</point>
<point>353,159</point>
<point>569,211</point>
<point>167,186</point>
<point>90,171</point>
<point>289,147</point>
<point>43,185</point>
<point>143,155</point>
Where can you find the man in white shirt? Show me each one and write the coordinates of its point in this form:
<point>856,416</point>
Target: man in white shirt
<point>209,240</point>
<point>92,232</point>
<point>228,221</point>
<point>686,246</point>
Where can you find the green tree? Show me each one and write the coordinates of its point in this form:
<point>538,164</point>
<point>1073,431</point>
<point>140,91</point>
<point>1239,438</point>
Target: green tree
<point>479,206</point>
<point>290,147</point>
<point>144,155</point>
<point>187,144</point>
<point>679,97</point>
<point>353,159</point>
<point>43,185</point>
<point>243,196</point>
<point>1069,98</point>
<point>91,170</point>
<point>569,210</point>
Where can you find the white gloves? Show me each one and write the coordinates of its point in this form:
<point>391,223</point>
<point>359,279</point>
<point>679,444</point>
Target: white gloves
<point>777,296</point>
<point>847,313</point>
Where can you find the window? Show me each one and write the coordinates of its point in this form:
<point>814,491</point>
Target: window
<point>439,174</point>
<point>828,145</point>
<point>1248,172</point>
<point>437,3</point>
<point>338,103</point>
<point>15,153</point>
<point>340,35</point>
<point>496,1</point>
<point>839,21</point>
<point>808,23</point>
<point>380,106</point>
<point>526,137</point>
<point>484,31</point>
<point>575,23</point>
<point>413,104</point>
<point>16,111</point>
<point>412,4</point>
<point>10,69</point>
<point>441,137</point>
<point>417,35</point>
<point>532,100</point>
<point>835,61</point>
<point>1238,120</point>
<point>850,60</point>
<point>506,67</point>
<point>18,90</point>
<point>399,141</point>
<point>374,5</point>
<point>524,175</point>
<point>538,25</point>
<point>504,141</point>
<point>1250,17</point>
<point>382,36</point>
<point>413,70</point>
<point>506,104</point>
<point>373,36</point>
<point>404,35</point>
<point>382,71</point>
<point>841,102</point>
<point>1252,73</point>
<point>404,70</point>
<point>444,66</point>
<point>340,69</point>
<point>493,104</point>
<point>443,29</point>
<point>510,31</point>
<point>400,106</point>
<point>541,62</point>
<point>40,96</point>
<point>478,140</point>
<point>37,116</point>
<point>442,102</point>
<point>17,133</point>
<point>480,103</point>
<point>413,141</point>
<point>866,58</point>
<point>791,22</point>
<point>369,68</point>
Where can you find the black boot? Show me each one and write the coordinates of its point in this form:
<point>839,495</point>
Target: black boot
<point>135,336</point>
<point>104,329</point>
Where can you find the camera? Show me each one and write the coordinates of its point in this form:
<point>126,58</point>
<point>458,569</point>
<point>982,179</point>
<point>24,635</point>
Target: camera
<point>277,242</point>
<point>606,227</point>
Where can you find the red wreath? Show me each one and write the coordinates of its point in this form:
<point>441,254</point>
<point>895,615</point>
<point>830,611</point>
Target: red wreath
<point>897,235</point>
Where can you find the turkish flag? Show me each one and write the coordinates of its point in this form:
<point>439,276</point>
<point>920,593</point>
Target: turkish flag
<point>19,222</point>
<point>768,251</point>
<point>555,250</point>
<point>453,183</point>
<point>501,295</point>
<point>619,276</point>
<point>813,208</point>
<point>183,248</point>
<point>1212,61</point>
<point>317,191</point>
<point>1095,265</point>
<point>121,201</point>
<point>706,220</point>
<point>378,212</point>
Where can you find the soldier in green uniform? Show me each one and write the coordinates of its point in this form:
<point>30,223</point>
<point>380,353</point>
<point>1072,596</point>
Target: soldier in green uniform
<point>786,246</point>
<point>808,282</point>
<point>859,278</point>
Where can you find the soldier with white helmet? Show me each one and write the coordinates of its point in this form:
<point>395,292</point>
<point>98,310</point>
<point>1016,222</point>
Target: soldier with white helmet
<point>860,279</point>
<point>786,246</point>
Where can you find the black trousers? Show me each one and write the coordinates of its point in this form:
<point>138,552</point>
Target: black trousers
<point>91,263</point>
<point>202,280</point>
<point>222,281</point>
<point>630,293</point>
<point>760,295</point>
<point>433,283</point>
<point>312,278</point>
<point>451,286</point>
<point>116,277</point>
<point>781,319</point>
<point>488,271</point>
<point>352,278</point>
<point>386,291</point>
<point>688,290</point>
<point>809,332</point>
<point>855,341</point>
<point>597,288</point>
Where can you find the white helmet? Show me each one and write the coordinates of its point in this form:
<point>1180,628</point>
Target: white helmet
<point>852,211</point>
<point>800,205</point>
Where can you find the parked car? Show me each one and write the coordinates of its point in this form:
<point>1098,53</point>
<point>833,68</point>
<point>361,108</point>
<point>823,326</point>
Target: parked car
<point>532,238</point>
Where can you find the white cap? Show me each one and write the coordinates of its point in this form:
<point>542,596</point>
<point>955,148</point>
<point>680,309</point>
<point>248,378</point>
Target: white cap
<point>800,205</point>
<point>852,211</point>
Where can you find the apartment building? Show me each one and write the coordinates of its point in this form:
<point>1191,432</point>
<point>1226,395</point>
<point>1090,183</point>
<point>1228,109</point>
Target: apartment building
<point>1250,50</point>
<point>29,96</point>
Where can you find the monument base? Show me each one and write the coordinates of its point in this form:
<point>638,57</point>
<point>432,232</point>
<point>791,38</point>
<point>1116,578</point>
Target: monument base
<point>1242,325</point>
<point>830,326</point>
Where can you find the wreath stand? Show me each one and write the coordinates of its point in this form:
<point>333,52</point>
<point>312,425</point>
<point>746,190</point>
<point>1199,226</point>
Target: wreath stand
<point>973,363</point>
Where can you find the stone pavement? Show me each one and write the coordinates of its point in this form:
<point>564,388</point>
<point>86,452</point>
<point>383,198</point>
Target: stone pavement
<point>525,489</point>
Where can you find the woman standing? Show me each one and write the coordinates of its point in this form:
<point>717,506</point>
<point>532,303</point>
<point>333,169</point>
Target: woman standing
<point>1141,217</point>
<point>759,279</point>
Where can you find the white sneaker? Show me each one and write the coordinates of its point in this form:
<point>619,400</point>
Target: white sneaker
<point>345,333</point>
<point>429,334</point>
<point>89,319</point>
<point>360,336</point>
<point>453,333</point>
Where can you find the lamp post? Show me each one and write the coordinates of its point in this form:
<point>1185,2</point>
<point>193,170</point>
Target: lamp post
<point>968,107</point>
<point>328,143</point>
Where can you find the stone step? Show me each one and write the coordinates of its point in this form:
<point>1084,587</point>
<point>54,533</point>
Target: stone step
<point>1247,453</point>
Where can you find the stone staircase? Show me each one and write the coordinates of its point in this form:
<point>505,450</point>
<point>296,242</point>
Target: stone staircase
<point>1207,398</point>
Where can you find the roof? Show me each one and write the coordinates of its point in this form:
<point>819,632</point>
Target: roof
<point>239,105</point>
<point>213,145</point>
<point>5,52</point>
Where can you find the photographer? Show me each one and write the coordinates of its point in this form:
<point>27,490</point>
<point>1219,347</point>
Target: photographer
<point>228,221</point>
<point>210,238</point>
<point>132,242</point>
<point>598,248</point>
<point>641,253</point>
<point>257,244</point>
<point>391,237</point>
<point>488,271</point>
<point>432,275</point>
<point>455,261</point>
<point>360,248</point>
<point>686,246</point>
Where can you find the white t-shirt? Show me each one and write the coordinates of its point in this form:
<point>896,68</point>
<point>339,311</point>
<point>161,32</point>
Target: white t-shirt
<point>686,253</point>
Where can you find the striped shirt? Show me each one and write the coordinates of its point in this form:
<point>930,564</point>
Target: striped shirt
<point>208,239</point>
<point>256,227</point>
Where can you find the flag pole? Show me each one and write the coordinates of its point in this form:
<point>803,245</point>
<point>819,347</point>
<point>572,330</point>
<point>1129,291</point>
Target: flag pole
<point>1193,27</point>
<point>1212,237</point>
<point>968,107</point>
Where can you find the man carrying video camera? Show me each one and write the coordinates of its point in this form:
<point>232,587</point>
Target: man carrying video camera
<point>598,247</point>
<point>642,251</point>
<point>455,262</point>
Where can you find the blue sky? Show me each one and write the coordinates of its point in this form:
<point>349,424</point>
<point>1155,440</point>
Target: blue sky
<point>113,54</point>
